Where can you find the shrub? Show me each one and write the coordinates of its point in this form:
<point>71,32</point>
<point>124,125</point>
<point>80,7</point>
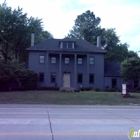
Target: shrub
<point>28,80</point>
<point>13,76</point>
<point>47,88</point>
<point>107,89</point>
<point>97,89</point>
<point>85,88</point>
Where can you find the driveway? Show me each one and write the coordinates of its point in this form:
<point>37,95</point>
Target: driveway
<point>67,122</point>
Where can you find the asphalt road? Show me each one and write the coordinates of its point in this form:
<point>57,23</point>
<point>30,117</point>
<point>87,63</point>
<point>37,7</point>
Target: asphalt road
<point>67,122</point>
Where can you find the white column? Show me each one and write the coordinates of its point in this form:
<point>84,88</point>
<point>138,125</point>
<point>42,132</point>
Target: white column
<point>60,70</point>
<point>87,70</point>
<point>75,70</point>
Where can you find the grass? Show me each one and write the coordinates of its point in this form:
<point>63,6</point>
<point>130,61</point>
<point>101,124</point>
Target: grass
<point>77,98</point>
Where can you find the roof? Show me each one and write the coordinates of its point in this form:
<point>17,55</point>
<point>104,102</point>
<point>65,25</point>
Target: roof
<point>112,69</point>
<point>53,45</point>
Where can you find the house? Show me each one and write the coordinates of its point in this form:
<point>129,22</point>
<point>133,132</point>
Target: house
<point>72,63</point>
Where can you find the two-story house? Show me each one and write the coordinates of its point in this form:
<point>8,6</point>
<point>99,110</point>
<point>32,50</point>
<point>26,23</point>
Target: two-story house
<point>68,63</point>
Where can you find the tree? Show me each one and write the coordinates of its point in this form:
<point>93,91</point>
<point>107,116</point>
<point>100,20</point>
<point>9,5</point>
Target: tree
<point>117,53</point>
<point>132,54</point>
<point>130,69</point>
<point>15,32</point>
<point>86,27</point>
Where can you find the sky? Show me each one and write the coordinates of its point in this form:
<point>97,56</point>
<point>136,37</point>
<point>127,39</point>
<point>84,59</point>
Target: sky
<point>58,16</point>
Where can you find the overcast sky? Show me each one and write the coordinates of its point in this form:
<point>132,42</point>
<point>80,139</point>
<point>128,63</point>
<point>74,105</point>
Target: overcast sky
<point>58,16</point>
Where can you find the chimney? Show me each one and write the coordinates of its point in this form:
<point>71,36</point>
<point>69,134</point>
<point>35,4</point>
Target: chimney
<point>99,41</point>
<point>32,39</point>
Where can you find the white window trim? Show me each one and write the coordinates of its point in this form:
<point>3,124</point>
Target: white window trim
<point>81,61</point>
<point>91,60</point>
<point>41,59</point>
<point>53,60</point>
<point>67,60</point>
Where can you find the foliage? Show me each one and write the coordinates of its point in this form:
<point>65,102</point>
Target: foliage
<point>108,89</point>
<point>28,80</point>
<point>130,69</point>
<point>47,88</point>
<point>15,32</point>
<point>85,88</point>
<point>117,53</point>
<point>87,27</point>
<point>14,76</point>
<point>132,54</point>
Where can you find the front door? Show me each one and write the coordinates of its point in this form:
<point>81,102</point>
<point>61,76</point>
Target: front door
<point>66,80</point>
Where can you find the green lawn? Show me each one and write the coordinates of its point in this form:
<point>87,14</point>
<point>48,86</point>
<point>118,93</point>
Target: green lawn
<point>55,97</point>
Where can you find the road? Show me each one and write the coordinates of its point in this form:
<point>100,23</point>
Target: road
<point>67,122</point>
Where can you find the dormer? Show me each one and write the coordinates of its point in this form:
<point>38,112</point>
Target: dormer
<point>67,43</point>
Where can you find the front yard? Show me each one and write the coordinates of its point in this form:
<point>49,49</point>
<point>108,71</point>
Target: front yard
<point>73,98</point>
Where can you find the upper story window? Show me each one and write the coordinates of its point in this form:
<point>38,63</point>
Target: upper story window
<point>53,60</point>
<point>41,59</point>
<point>70,45</point>
<point>64,44</point>
<point>67,60</point>
<point>80,61</point>
<point>91,60</point>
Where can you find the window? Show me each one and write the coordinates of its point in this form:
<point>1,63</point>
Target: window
<point>114,83</point>
<point>41,77</point>
<point>91,78</point>
<point>41,59</point>
<point>91,60</point>
<point>64,44</point>
<point>53,77</point>
<point>67,60</point>
<point>53,60</point>
<point>70,45</point>
<point>80,78</point>
<point>80,61</point>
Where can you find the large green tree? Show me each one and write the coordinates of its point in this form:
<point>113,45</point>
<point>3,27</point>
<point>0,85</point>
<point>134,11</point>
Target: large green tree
<point>15,32</point>
<point>87,27</point>
<point>130,69</point>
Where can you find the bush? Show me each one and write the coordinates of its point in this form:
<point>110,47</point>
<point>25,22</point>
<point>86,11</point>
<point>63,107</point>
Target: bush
<point>28,81</point>
<point>47,88</point>
<point>85,88</point>
<point>107,89</point>
<point>13,76</point>
<point>97,89</point>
